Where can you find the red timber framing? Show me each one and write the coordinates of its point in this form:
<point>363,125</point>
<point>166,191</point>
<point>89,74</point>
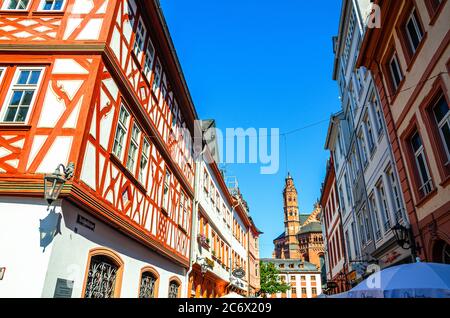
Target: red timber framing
<point>74,117</point>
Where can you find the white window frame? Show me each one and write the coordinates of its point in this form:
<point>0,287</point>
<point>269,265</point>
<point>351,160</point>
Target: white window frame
<point>12,87</point>
<point>423,183</point>
<point>445,120</point>
<point>375,216</point>
<point>139,40</point>
<point>395,194</point>
<point>42,4</point>
<point>123,126</point>
<point>7,2</point>
<point>2,74</point>
<point>413,17</point>
<point>166,195</point>
<point>381,190</point>
<point>398,68</point>
<point>145,154</point>
<point>158,77</point>
<point>149,60</point>
<point>133,152</point>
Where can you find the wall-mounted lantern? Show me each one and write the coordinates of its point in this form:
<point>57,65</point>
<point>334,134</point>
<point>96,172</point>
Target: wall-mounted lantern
<point>54,183</point>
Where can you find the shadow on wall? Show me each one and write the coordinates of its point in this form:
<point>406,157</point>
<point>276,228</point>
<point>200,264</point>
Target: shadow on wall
<point>49,227</point>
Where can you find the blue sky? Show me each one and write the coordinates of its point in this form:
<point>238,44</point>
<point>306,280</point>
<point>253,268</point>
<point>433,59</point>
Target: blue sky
<point>263,64</point>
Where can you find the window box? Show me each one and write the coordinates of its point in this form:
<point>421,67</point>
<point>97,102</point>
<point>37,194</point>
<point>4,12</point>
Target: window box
<point>203,241</point>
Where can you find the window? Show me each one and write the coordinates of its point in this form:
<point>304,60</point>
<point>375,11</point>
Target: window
<point>122,128</point>
<point>148,286</point>
<point>313,278</point>
<point>361,229</point>
<point>355,240</point>
<point>52,5</point>
<point>157,79</point>
<point>426,184</point>
<point>2,71</point>
<point>181,209</point>
<point>378,113</point>
<point>396,72</point>
<point>149,59</point>
<point>348,190</point>
<point>341,198</point>
<point>22,94</point>
<point>347,243</point>
<point>370,138</point>
<point>304,293</point>
<point>143,166</point>
<point>134,147</point>
<point>395,193</point>
<point>414,31</point>
<point>367,223</point>
<point>303,278</point>
<point>167,178</point>
<point>375,220</point>
<point>104,273</point>
<point>314,291</point>
<point>441,114</point>
<point>433,7</point>
<point>139,40</point>
<point>384,206</point>
<point>362,143</point>
<point>349,36</point>
<point>174,289</point>
<point>16,4</point>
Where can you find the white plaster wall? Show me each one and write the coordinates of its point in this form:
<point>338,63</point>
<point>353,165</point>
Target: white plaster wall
<point>67,256</point>
<point>20,252</point>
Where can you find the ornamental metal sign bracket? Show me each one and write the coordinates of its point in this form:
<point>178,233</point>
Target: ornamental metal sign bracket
<point>238,273</point>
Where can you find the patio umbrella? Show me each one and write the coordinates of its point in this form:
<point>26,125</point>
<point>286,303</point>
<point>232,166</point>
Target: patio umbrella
<point>418,280</point>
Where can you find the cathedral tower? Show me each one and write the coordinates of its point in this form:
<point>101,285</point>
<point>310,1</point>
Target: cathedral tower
<point>291,218</point>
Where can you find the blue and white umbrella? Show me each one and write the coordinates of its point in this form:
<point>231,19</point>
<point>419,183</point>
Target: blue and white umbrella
<point>418,280</point>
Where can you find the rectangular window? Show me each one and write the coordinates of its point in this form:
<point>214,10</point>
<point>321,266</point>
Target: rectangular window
<point>314,291</point>
<point>369,129</point>
<point>441,113</point>
<point>52,5</point>
<point>426,184</point>
<point>143,166</point>
<point>395,194</point>
<point>122,128</point>
<point>375,217</point>
<point>378,113</point>
<point>16,5</point>
<point>348,190</point>
<point>362,143</point>
<point>347,243</point>
<point>414,31</point>
<point>139,40</point>
<point>355,240</point>
<point>149,59</point>
<point>157,79</point>
<point>134,147</point>
<point>165,202</point>
<point>396,72</point>
<point>384,206</point>
<point>341,198</point>
<point>367,224</point>
<point>22,94</point>
<point>361,229</point>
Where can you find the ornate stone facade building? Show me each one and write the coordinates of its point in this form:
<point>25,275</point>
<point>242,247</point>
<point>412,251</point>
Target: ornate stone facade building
<point>302,238</point>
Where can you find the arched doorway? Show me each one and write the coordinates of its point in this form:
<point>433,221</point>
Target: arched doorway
<point>441,252</point>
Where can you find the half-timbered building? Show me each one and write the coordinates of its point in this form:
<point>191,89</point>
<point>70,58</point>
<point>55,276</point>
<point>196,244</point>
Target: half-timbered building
<point>96,84</point>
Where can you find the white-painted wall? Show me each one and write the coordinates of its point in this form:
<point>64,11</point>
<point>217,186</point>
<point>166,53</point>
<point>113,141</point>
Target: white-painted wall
<point>33,273</point>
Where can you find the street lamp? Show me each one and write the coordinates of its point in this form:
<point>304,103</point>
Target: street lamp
<point>54,183</point>
<point>401,234</point>
<point>405,239</point>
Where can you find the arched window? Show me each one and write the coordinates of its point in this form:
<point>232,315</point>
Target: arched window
<point>148,287</point>
<point>441,252</point>
<point>104,275</point>
<point>174,288</point>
